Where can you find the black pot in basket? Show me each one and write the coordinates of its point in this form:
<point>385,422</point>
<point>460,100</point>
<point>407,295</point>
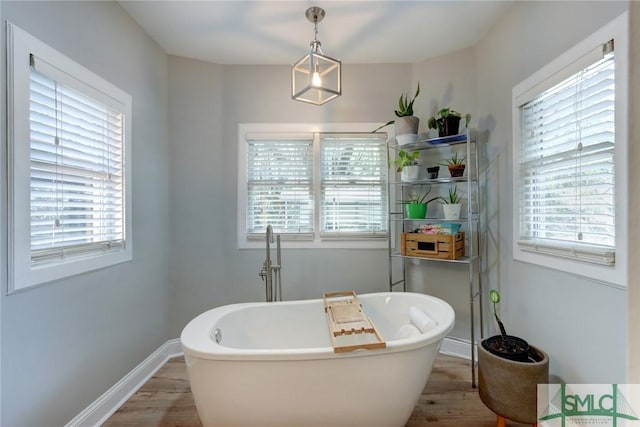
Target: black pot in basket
<point>508,347</point>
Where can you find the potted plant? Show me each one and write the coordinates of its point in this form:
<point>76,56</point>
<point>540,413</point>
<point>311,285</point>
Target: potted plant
<point>433,172</point>
<point>416,203</point>
<point>406,123</point>
<point>408,165</point>
<point>452,204</point>
<point>456,165</point>
<point>509,371</point>
<point>447,121</point>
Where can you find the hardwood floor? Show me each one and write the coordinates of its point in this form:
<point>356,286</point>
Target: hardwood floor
<point>447,401</point>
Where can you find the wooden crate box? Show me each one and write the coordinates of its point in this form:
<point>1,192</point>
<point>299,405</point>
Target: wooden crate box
<point>441,246</point>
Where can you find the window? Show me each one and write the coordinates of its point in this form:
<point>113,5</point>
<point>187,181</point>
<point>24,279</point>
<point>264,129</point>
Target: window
<point>318,186</point>
<point>279,183</point>
<point>566,142</point>
<point>69,181</point>
<point>353,185</point>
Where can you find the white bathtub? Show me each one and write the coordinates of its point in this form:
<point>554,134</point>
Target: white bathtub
<point>274,365</point>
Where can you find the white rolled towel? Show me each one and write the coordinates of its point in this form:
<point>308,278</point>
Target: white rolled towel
<point>421,320</point>
<point>406,331</point>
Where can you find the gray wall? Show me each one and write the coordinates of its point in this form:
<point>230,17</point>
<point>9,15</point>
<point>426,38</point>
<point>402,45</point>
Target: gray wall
<point>579,323</point>
<point>206,268</point>
<point>66,343</point>
<point>207,103</point>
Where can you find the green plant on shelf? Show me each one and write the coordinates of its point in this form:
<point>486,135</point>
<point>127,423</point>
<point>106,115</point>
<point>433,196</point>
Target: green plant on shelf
<point>454,160</point>
<point>453,198</point>
<point>405,159</point>
<point>418,196</point>
<point>445,113</point>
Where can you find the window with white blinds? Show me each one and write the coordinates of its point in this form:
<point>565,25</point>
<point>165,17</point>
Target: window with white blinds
<point>570,150</point>
<point>77,191</point>
<point>567,166</point>
<point>280,184</point>
<point>69,150</point>
<point>312,186</point>
<point>352,189</point>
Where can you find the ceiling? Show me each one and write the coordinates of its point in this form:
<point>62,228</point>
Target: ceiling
<point>277,32</point>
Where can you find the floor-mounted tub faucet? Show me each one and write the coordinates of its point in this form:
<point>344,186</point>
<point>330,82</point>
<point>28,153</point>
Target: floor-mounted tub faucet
<point>270,273</point>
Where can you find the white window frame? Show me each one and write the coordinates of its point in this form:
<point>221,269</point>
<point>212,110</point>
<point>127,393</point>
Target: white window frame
<point>550,75</point>
<point>305,241</point>
<point>23,274</point>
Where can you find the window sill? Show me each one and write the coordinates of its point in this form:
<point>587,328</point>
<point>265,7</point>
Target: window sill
<point>369,243</point>
<point>607,274</point>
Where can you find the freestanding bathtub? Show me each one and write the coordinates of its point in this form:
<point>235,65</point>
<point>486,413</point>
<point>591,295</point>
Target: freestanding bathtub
<point>273,364</point>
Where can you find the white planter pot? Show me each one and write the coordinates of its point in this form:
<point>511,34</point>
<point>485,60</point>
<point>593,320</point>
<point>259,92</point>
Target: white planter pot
<point>410,173</point>
<point>451,211</point>
<point>406,125</point>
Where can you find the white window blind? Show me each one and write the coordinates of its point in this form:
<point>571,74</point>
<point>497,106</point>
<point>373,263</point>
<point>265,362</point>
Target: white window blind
<point>316,185</point>
<point>353,194</point>
<point>567,166</point>
<point>77,191</point>
<point>280,183</point>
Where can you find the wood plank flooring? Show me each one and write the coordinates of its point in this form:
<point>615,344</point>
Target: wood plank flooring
<point>447,401</point>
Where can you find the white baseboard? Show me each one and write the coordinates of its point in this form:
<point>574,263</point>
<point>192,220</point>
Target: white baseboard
<point>103,407</point>
<point>457,347</point>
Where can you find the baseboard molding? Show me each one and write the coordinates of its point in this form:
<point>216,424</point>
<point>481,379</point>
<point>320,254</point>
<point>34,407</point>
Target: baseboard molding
<point>103,407</point>
<point>456,347</point>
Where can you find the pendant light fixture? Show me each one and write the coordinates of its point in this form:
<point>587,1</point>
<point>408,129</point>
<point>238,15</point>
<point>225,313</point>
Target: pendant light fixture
<point>316,78</point>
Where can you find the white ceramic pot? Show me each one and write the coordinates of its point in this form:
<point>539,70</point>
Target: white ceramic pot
<point>406,125</point>
<point>451,211</point>
<point>410,173</point>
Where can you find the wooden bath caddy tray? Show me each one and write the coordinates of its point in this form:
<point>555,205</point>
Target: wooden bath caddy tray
<point>349,327</point>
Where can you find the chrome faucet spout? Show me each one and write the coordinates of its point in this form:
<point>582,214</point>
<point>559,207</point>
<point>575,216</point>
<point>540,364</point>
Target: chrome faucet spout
<point>269,269</point>
<point>269,239</point>
<point>269,234</point>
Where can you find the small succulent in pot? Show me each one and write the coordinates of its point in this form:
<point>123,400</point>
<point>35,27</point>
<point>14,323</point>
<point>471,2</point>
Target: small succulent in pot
<point>453,198</point>
<point>452,204</point>
<point>456,165</point>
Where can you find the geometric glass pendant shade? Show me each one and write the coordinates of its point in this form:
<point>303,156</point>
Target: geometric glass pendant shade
<point>316,78</point>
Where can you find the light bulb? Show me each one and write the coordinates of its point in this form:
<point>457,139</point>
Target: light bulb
<point>316,81</point>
